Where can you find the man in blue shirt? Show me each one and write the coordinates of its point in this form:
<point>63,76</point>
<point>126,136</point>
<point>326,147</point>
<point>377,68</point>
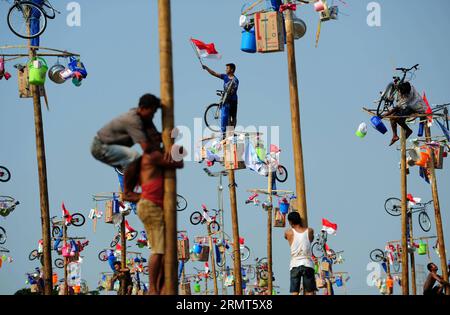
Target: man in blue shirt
<point>229,108</point>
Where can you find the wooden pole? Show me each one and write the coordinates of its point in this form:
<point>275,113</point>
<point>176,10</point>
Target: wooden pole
<point>437,213</point>
<point>66,288</point>
<point>213,262</point>
<point>222,269</point>
<point>404,218</point>
<point>411,257</point>
<point>167,102</point>
<point>269,233</point>
<point>295,119</point>
<point>123,244</point>
<point>235,226</point>
<point>43,188</point>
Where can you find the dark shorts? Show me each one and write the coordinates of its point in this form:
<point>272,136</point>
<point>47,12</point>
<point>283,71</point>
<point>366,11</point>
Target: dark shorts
<point>305,273</point>
<point>433,291</point>
<point>405,112</point>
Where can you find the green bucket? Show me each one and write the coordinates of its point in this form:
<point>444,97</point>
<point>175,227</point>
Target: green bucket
<point>423,249</point>
<point>316,268</point>
<point>197,288</point>
<point>37,69</point>
<point>360,134</point>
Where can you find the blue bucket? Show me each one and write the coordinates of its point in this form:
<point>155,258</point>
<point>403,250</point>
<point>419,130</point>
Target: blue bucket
<point>197,248</point>
<point>248,43</point>
<point>339,282</point>
<point>284,208</point>
<point>378,124</point>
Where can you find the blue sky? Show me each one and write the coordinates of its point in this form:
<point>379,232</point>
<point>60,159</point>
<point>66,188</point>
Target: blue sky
<point>347,179</point>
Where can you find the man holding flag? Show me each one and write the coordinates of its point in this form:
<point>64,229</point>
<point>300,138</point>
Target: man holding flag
<point>230,82</point>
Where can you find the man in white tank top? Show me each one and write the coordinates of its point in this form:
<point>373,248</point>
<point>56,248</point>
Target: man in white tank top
<point>302,265</point>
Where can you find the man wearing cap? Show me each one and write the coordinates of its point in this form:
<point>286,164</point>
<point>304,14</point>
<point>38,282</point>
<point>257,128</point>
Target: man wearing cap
<point>112,144</point>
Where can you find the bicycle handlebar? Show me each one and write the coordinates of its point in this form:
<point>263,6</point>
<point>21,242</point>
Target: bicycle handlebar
<point>407,70</point>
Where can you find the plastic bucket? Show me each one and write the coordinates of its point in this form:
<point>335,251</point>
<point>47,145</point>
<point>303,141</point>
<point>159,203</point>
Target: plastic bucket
<point>339,281</point>
<point>197,287</point>
<point>248,41</point>
<point>37,69</point>
<point>423,249</point>
<point>378,124</point>
<point>197,249</point>
<point>421,126</point>
<point>284,208</point>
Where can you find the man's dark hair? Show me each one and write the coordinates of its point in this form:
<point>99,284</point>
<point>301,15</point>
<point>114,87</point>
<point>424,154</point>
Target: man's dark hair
<point>404,88</point>
<point>294,218</point>
<point>232,66</point>
<point>149,101</point>
<point>117,263</point>
<point>429,266</point>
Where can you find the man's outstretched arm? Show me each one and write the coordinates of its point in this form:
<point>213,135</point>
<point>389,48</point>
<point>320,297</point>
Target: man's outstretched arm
<point>211,72</point>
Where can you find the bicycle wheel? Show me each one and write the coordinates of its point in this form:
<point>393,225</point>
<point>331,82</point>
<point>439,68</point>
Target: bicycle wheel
<point>48,10</point>
<point>317,250</point>
<point>55,231</point>
<point>20,15</point>
<point>181,203</point>
<point>377,255</point>
<point>245,252</point>
<point>214,227</point>
<point>33,255</point>
<point>145,270</point>
<point>424,221</point>
<point>115,241</point>
<point>5,174</point>
<point>281,174</point>
<point>393,206</point>
<point>77,219</point>
<point>263,274</point>
<point>222,260</point>
<point>212,117</point>
<point>196,218</point>
<point>102,255</point>
<point>2,235</point>
<point>59,263</point>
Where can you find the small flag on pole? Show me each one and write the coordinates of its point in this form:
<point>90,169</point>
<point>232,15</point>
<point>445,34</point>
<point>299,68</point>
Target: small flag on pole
<point>329,227</point>
<point>205,50</point>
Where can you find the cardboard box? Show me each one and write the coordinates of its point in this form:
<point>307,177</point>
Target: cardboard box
<point>279,219</point>
<point>183,249</point>
<point>269,31</point>
<point>233,155</point>
<point>24,85</point>
<point>185,288</point>
<point>109,212</point>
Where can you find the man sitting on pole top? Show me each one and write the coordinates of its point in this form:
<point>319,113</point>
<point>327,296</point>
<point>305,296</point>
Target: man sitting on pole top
<point>409,102</point>
<point>230,84</point>
<point>112,144</point>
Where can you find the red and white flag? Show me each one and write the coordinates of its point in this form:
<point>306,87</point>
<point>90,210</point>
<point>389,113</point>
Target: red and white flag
<point>428,111</point>
<point>205,50</point>
<point>206,268</point>
<point>329,227</point>
<point>413,200</point>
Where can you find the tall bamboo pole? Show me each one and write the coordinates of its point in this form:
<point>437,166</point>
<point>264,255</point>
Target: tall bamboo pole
<point>66,288</point>
<point>213,262</point>
<point>269,233</point>
<point>404,218</point>
<point>43,188</point>
<point>123,241</point>
<point>437,213</point>
<point>220,194</point>
<point>167,101</point>
<point>295,118</point>
<point>411,256</point>
<point>235,226</point>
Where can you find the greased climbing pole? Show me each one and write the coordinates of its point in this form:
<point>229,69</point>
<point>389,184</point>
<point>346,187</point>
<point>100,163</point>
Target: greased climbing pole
<point>295,118</point>
<point>167,102</point>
